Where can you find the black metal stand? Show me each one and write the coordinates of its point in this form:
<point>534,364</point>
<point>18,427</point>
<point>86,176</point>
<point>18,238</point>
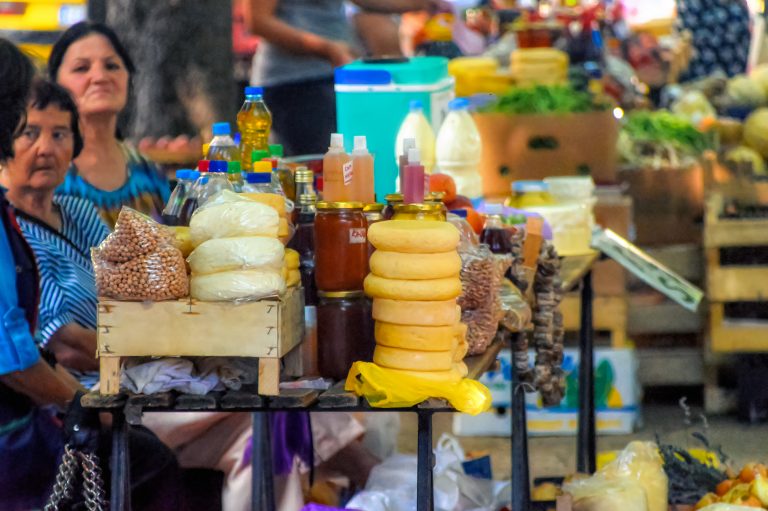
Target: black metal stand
<point>120,499</point>
<point>586,444</point>
<point>262,479</point>
<point>425,463</point>
<point>521,482</point>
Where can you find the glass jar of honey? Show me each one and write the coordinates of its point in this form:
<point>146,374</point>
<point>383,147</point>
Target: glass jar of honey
<point>392,200</point>
<point>344,332</point>
<point>419,212</point>
<point>373,213</point>
<point>341,246</point>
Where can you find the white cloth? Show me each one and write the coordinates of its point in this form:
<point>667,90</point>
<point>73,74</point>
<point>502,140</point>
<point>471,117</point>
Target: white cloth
<point>189,376</point>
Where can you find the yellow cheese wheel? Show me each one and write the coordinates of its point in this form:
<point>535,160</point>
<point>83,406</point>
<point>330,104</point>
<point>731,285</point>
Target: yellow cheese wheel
<point>461,347</point>
<point>409,337</point>
<point>291,259</point>
<point>273,200</point>
<point>397,265</point>
<point>293,278</point>
<point>453,375</point>
<point>412,360</point>
<point>283,230</point>
<point>401,312</point>
<point>413,236</point>
<point>415,290</point>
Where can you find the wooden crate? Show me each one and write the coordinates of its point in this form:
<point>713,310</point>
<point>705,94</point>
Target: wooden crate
<point>609,313</point>
<point>734,283</point>
<point>267,329</point>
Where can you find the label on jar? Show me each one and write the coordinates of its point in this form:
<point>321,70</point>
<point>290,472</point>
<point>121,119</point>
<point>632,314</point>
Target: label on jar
<point>347,171</point>
<point>357,236</point>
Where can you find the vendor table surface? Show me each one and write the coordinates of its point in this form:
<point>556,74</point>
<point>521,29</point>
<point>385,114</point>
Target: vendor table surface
<point>575,268</point>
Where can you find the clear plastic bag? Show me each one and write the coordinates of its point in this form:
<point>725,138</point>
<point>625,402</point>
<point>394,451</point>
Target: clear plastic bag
<point>246,253</point>
<point>139,261</point>
<point>237,286</point>
<point>229,215</point>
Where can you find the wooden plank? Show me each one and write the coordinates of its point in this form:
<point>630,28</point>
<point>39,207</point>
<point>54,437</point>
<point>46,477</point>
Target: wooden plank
<point>478,364</point>
<point>266,328</point>
<point>651,313</point>
<point>736,336</point>
<point>575,268</point>
<point>269,376</point>
<point>687,260</point>
<point>737,283</point>
<point>246,397</point>
<point>103,401</point>
<point>159,400</point>
<point>337,397</point>
<point>109,374</point>
<point>723,232</point>
<point>608,313</point>
<point>294,398</point>
<point>670,366</point>
<point>195,402</point>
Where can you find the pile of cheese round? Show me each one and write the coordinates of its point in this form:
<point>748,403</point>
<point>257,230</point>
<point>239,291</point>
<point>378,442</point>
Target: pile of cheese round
<point>414,283</point>
<point>237,254</point>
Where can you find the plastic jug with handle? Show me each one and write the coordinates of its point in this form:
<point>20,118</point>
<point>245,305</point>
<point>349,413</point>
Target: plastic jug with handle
<point>459,148</point>
<point>416,126</point>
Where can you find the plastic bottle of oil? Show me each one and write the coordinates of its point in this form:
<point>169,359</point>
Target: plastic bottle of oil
<point>337,172</point>
<point>254,121</point>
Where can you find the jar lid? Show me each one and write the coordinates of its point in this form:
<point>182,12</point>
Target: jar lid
<point>394,197</point>
<point>529,186</point>
<point>340,294</point>
<point>304,175</point>
<point>339,205</point>
<point>418,208</point>
<point>369,208</point>
<point>307,198</point>
<point>434,196</point>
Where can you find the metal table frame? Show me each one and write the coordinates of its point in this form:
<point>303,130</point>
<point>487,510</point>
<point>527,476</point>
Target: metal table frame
<point>576,270</point>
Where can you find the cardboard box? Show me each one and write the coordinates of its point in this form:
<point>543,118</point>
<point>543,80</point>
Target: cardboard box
<point>617,399</point>
<point>612,211</point>
<point>668,204</point>
<point>536,146</point>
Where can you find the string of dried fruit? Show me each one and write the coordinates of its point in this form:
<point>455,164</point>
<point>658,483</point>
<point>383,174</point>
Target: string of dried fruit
<point>548,332</point>
<point>519,340</point>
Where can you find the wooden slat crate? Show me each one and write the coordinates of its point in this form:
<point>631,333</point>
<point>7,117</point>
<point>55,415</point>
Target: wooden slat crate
<point>609,313</point>
<point>267,329</point>
<point>729,283</point>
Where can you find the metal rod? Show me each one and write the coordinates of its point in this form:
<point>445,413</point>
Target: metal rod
<point>587,445</point>
<point>120,498</point>
<point>262,483</point>
<point>521,489</point>
<point>424,487</point>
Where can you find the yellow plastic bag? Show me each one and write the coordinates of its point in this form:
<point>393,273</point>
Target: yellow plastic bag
<point>384,388</point>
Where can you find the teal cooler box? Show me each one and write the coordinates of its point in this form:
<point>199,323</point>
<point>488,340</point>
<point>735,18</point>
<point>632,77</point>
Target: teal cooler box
<point>372,99</point>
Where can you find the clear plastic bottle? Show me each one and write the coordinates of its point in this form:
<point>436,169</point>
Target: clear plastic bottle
<point>362,171</point>
<point>413,173</point>
<point>260,180</point>
<point>212,182</point>
<point>459,148</point>
<point>416,126</point>
<point>254,121</point>
<point>185,182</point>
<point>284,173</point>
<point>222,147</point>
<point>337,172</point>
<point>257,155</point>
<point>235,175</point>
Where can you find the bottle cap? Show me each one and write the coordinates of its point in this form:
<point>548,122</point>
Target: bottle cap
<point>304,175</point>
<point>193,175</point>
<point>408,143</point>
<point>276,150</point>
<point>233,167</point>
<point>206,146</point>
<point>414,156</point>
<point>203,165</point>
<point>415,105</point>
<point>182,174</point>
<point>221,128</point>
<point>361,143</point>
<point>272,162</point>
<point>258,155</point>
<point>254,91</point>
<point>529,186</point>
<point>258,177</point>
<point>494,209</point>
<point>307,198</point>
<point>218,166</point>
<point>458,104</point>
<point>263,166</point>
<point>459,212</point>
<point>337,140</point>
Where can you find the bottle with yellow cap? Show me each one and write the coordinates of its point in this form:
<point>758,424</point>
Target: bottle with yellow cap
<point>260,180</point>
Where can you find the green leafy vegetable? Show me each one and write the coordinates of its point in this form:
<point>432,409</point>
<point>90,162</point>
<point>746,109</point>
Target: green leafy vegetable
<point>545,99</point>
<point>665,128</point>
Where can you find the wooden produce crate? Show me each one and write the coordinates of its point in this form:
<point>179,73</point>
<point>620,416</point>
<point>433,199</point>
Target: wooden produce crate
<point>609,314</point>
<point>267,329</point>
<point>737,277</point>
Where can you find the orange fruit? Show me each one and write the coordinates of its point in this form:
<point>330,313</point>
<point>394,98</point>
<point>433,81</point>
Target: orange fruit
<point>475,219</point>
<point>747,474</point>
<point>751,501</point>
<point>445,184</point>
<point>458,202</point>
<point>723,487</point>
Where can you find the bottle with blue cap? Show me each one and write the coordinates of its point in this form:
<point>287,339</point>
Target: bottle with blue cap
<point>416,126</point>
<point>255,122</point>
<point>260,180</point>
<point>222,146</point>
<point>185,182</point>
<point>213,182</point>
<point>459,149</point>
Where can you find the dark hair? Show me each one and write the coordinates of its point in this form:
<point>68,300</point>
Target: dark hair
<point>79,31</point>
<point>17,73</point>
<point>44,94</point>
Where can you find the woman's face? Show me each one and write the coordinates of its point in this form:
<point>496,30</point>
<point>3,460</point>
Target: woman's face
<point>95,75</point>
<point>43,152</point>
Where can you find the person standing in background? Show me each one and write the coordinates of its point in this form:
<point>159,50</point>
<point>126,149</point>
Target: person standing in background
<point>302,41</point>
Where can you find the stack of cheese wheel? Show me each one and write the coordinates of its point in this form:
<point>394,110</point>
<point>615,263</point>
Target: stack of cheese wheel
<point>291,269</point>
<point>237,255</point>
<point>414,283</point>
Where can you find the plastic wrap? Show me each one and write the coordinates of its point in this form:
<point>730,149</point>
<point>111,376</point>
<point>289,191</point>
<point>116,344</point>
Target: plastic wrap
<point>226,254</point>
<point>139,261</point>
<point>228,215</point>
<point>242,285</point>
